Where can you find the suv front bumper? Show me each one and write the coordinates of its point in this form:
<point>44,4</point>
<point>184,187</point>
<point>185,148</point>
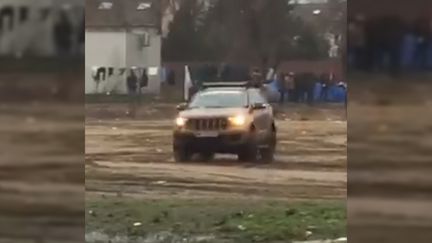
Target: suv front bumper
<point>223,142</point>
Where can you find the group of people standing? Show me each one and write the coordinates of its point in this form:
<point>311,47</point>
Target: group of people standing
<point>63,34</point>
<point>300,87</point>
<point>286,86</point>
<point>135,82</point>
<point>389,43</point>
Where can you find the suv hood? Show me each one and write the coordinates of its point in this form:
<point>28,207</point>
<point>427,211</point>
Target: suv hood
<point>212,112</point>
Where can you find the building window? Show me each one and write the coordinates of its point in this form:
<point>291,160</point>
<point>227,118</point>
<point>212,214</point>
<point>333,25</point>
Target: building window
<point>143,39</point>
<point>105,6</point>
<point>23,14</point>
<point>143,6</point>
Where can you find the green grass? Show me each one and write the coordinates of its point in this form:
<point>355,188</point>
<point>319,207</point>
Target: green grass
<point>232,221</point>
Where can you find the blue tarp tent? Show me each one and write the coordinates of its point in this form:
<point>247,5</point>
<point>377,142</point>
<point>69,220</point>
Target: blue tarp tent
<point>429,56</point>
<point>335,93</point>
<point>408,51</point>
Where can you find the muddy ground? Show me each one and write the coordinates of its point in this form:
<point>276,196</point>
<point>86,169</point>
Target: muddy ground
<point>133,156</point>
<point>41,173</point>
<point>41,160</point>
<point>389,161</point>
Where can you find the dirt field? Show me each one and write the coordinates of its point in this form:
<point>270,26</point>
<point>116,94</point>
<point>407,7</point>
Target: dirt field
<point>134,157</point>
<point>41,163</point>
<point>389,162</point>
<point>41,176</point>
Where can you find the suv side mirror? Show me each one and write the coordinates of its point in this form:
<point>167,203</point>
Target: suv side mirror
<point>259,106</point>
<point>182,106</point>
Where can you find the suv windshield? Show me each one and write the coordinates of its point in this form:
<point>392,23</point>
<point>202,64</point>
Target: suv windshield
<point>219,99</point>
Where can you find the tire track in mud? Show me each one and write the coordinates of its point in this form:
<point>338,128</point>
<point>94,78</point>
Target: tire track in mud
<point>228,181</point>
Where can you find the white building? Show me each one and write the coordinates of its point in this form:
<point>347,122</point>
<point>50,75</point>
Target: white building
<point>26,26</point>
<point>121,34</point>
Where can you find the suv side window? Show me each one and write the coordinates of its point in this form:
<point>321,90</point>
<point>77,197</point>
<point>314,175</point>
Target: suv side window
<point>255,96</point>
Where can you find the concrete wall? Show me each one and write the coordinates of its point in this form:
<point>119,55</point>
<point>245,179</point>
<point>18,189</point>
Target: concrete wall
<point>35,35</point>
<point>149,56</point>
<point>105,49</point>
<point>119,49</point>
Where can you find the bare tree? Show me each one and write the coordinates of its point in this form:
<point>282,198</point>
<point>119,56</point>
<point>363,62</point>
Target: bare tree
<point>256,32</point>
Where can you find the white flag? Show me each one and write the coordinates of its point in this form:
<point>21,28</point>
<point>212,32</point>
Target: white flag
<point>270,74</point>
<point>187,83</point>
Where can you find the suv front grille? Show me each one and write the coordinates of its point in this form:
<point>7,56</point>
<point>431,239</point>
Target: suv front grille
<point>207,124</point>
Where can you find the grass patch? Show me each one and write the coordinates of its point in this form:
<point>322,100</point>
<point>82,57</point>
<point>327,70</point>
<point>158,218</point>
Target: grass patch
<point>230,221</point>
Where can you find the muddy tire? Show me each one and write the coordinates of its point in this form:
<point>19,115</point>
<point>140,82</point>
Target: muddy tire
<point>249,153</point>
<point>267,154</point>
<point>182,155</point>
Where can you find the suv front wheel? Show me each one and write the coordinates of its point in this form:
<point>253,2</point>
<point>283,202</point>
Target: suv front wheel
<point>249,153</point>
<point>181,154</point>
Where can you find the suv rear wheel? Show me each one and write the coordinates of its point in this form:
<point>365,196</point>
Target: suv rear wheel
<point>267,154</point>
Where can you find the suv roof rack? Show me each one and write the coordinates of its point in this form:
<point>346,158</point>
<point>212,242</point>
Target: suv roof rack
<point>240,84</point>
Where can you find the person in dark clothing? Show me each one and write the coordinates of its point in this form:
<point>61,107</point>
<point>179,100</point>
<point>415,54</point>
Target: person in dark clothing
<point>62,35</point>
<point>132,83</point>
<point>144,79</point>
<point>256,78</point>
<point>304,86</point>
<point>290,86</point>
<point>171,77</point>
<point>281,87</point>
<point>325,83</point>
<point>142,82</point>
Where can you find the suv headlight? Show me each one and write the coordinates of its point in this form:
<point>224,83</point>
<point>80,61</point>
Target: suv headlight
<point>239,120</point>
<point>180,121</point>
